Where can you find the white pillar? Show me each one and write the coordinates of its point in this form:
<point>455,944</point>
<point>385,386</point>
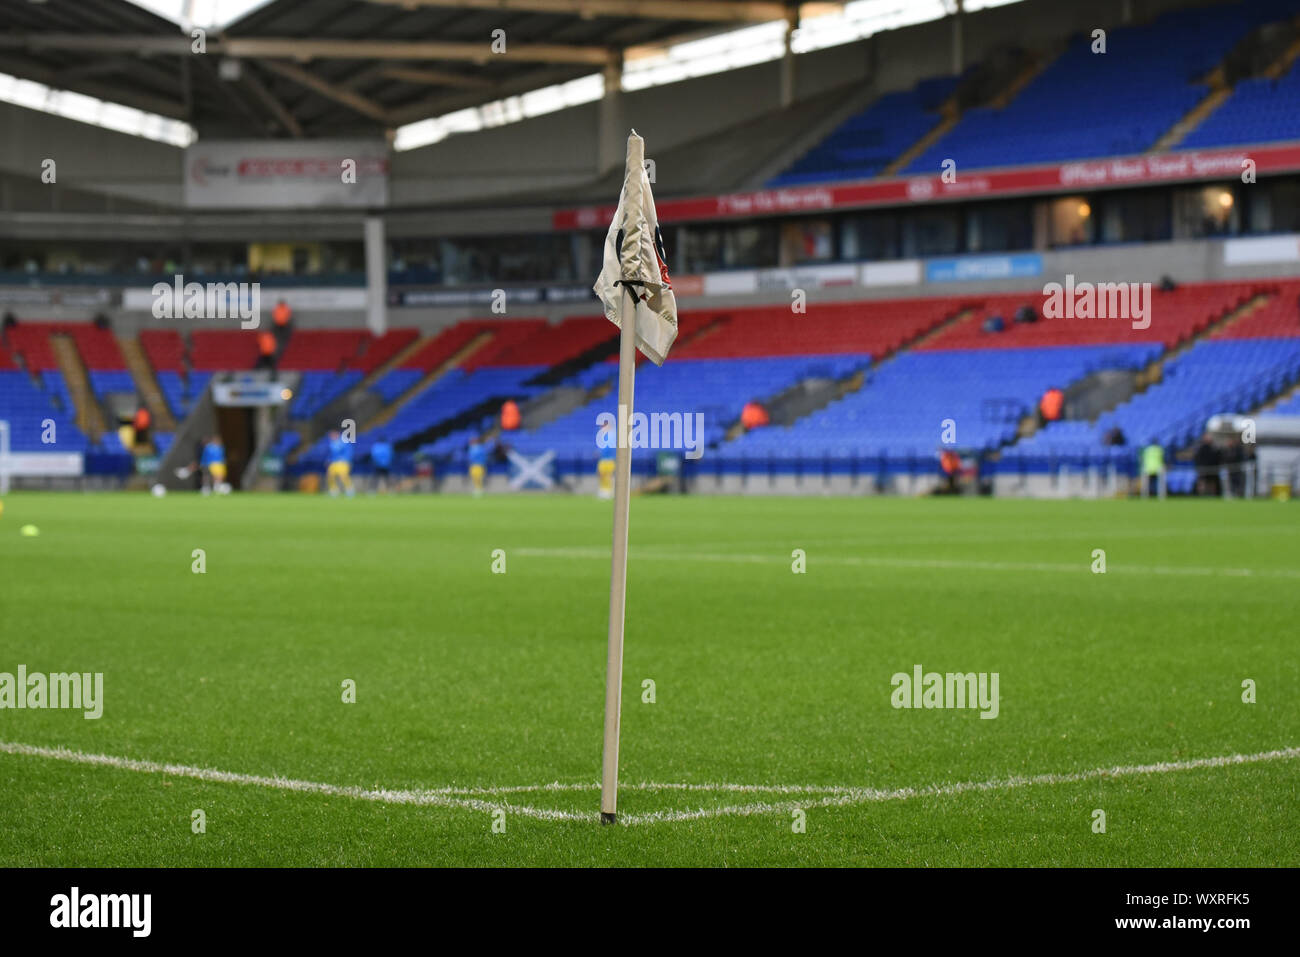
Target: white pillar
<point>376,276</point>
<point>611,137</point>
<point>958,55</point>
<point>787,59</point>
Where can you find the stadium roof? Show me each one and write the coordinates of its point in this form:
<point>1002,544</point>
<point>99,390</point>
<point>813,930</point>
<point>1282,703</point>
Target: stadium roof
<point>422,68</point>
<point>338,67</point>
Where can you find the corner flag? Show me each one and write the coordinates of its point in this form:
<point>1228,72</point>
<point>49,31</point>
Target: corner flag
<point>634,254</point>
<point>638,298</point>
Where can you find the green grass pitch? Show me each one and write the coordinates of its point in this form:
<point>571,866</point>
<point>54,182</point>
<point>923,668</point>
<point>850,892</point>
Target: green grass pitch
<point>469,679</point>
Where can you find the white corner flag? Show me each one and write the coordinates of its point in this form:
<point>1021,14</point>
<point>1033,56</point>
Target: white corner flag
<point>638,298</point>
<point>634,254</point>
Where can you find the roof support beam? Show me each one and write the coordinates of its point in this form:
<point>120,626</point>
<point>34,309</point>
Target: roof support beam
<point>268,100</point>
<point>451,102</point>
<point>308,48</point>
<point>312,82</point>
<point>709,11</point>
<point>112,94</point>
<point>436,78</point>
<point>234,95</point>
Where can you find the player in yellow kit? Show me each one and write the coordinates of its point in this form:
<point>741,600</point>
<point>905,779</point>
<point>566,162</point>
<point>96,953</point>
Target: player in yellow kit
<point>478,457</point>
<point>338,475</point>
<point>605,466</point>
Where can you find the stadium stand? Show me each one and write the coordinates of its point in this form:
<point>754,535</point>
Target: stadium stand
<point>426,360</point>
<point>165,351</point>
<point>322,356</point>
<point>554,345</point>
<point>865,144</point>
<point>31,342</point>
<point>872,329</point>
<point>1237,367</point>
<point>1176,316</point>
<point>376,351</point>
<point>925,360</point>
<point>26,408</point>
<point>164,348</point>
<point>899,413</point>
<point>1214,376</point>
<point>322,350</point>
<point>215,350</point>
<point>94,361</point>
<point>941,365</point>
<point>479,378</point>
<point>728,357</point>
<point>1278,317</point>
<point>1260,110</point>
<point>1121,101</point>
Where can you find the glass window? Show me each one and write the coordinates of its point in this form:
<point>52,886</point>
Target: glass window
<point>703,248</point>
<point>1274,206</point>
<point>932,232</point>
<point>870,236</point>
<point>1070,221</point>
<point>1204,211</point>
<point>999,227</point>
<point>807,241</point>
<point>750,246</point>
<point>1139,216</point>
<point>489,259</point>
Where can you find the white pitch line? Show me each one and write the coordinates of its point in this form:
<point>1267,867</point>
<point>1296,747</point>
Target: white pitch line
<point>435,798</point>
<point>882,562</point>
<point>873,795</point>
<point>654,786</point>
<point>452,797</point>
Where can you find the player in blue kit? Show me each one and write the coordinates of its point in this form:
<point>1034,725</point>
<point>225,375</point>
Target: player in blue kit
<point>381,457</point>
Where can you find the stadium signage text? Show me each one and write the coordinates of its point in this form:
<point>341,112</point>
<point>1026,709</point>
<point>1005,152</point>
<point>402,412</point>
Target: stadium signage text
<point>931,689</point>
<point>74,909</point>
<point>78,298</point>
<point>297,174</point>
<point>209,300</point>
<point>249,394</point>
<point>43,464</point>
<point>983,267</point>
<point>74,690</point>
<point>901,191</point>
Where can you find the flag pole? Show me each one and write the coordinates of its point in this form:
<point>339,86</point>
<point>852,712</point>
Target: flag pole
<point>618,567</point>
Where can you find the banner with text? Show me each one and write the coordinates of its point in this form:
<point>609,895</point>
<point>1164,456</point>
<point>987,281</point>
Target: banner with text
<point>258,174</point>
<point>1085,174</point>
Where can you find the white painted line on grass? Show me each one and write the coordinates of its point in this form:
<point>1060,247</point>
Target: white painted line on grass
<point>472,798</point>
<point>873,795</point>
<point>435,798</point>
<point>649,554</point>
